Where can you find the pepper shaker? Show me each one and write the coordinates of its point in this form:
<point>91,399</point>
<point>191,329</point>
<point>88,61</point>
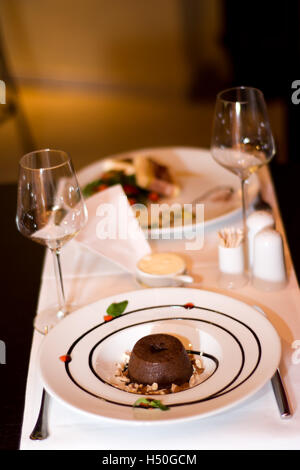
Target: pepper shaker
<point>269,270</point>
<point>256,222</point>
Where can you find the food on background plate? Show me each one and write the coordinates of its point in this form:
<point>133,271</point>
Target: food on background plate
<point>142,178</point>
<point>157,365</point>
<point>154,177</point>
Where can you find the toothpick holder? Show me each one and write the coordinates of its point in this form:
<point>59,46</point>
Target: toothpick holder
<point>232,267</point>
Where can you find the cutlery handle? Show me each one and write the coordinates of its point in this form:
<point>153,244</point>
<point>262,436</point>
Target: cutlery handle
<point>280,395</point>
<point>40,430</point>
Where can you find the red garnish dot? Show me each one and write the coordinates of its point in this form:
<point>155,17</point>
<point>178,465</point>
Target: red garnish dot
<point>65,358</point>
<point>153,196</point>
<point>189,305</point>
<point>129,189</point>
<point>132,201</point>
<point>108,317</point>
<point>102,186</point>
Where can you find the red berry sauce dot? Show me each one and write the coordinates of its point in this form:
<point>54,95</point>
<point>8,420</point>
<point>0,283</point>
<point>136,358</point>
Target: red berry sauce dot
<point>65,358</point>
<point>189,305</point>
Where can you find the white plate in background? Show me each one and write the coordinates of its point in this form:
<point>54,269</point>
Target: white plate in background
<point>196,172</point>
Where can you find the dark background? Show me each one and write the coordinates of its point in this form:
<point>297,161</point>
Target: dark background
<point>261,44</point>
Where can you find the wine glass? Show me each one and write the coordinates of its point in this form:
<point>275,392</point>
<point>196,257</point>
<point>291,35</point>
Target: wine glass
<point>50,211</point>
<point>242,139</point>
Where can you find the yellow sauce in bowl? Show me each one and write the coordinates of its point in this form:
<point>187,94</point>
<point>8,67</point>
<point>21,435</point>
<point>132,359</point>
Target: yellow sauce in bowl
<point>161,264</point>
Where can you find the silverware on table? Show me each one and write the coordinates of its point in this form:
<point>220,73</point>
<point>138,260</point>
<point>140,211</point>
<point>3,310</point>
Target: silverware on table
<point>224,192</point>
<point>40,430</point>
<point>280,395</point>
<point>278,387</point>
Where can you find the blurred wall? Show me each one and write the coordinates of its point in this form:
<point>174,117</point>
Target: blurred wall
<point>115,43</point>
<point>130,43</point>
<point>97,77</point>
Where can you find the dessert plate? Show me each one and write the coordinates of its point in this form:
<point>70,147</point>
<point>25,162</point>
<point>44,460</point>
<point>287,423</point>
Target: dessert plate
<point>240,351</point>
<point>197,173</point>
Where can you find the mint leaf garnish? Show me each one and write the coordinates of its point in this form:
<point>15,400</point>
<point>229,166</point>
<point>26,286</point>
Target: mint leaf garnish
<point>116,309</point>
<point>149,403</point>
<point>141,401</point>
<point>158,404</point>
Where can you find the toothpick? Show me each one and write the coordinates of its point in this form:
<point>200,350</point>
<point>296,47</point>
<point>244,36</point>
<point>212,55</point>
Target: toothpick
<point>231,237</point>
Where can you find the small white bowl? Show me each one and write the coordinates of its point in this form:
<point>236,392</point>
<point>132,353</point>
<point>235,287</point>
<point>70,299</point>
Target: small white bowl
<point>171,278</point>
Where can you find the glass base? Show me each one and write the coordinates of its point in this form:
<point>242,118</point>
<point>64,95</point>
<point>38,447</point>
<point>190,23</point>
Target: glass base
<point>50,317</point>
<point>268,286</point>
<point>233,281</point>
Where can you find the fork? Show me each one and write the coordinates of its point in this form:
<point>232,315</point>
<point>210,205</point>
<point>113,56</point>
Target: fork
<point>40,430</point>
<point>278,387</point>
<point>227,190</point>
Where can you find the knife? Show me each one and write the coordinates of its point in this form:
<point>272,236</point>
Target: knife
<point>278,387</point>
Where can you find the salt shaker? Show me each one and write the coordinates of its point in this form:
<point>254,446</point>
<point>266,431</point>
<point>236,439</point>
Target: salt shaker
<point>269,270</point>
<point>231,259</point>
<point>256,222</point>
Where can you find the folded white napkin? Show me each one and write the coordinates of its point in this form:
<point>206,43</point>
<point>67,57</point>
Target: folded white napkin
<point>112,230</point>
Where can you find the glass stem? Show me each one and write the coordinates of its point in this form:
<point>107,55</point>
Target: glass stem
<point>244,205</point>
<point>59,284</point>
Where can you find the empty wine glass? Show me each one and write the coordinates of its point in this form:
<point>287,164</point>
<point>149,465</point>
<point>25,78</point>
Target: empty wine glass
<point>242,139</point>
<point>50,211</point>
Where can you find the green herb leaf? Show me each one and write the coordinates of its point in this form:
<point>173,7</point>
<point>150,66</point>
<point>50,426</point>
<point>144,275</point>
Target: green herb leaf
<point>143,401</point>
<point>147,403</point>
<point>116,309</point>
<point>89,189</point>
<point>158,404</point>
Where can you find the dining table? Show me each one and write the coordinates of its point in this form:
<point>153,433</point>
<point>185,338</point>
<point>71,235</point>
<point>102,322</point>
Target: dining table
<point>29,287</point>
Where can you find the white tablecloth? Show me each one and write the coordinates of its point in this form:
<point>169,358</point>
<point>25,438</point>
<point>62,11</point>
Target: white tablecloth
<point>255,424</point>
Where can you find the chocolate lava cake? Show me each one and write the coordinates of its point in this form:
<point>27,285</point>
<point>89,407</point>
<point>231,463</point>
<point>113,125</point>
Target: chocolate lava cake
<point>161,359</point>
